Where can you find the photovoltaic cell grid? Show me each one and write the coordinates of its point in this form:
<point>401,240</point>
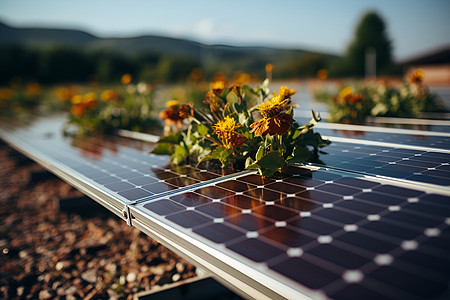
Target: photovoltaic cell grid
<point>417,165</point>
<point>123,171</point>
<point>326,230</point>
<point>336,233</point>
<point>441,142</point>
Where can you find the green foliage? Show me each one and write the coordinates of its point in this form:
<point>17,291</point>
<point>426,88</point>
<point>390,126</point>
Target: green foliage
<point>226,133</point>
<point>370,34</point>
<point>356,102</point>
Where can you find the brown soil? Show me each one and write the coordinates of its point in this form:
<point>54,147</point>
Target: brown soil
<point>47,253</point>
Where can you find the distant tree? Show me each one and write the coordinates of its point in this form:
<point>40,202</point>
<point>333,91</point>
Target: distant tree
<point>370,33</point>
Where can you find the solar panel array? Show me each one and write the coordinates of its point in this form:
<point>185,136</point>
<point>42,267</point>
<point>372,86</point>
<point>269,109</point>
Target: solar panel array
<point>336,229</point>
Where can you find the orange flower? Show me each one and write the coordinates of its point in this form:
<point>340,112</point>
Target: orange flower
<point>416,77</point>
<point>126,79</point>
<point>275,120</point>
<point>278,124</point>
<point>175,114</point>
<point>355,98</point>
<point>225,129</point>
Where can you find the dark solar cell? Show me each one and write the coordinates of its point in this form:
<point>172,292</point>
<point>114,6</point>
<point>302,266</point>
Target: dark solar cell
<point>243,201</point>
<point>357,183</point>
<point>433,210</point>
<point>361,292</point>
<point>236,186</point>
<point>189,219</point>
<point>249,222</point>
<point>286,236</point>
<point>190,199</point>
<point>214,192</point>
<point>128,174</point>
<point>119,186</point>
<point>436,199</point>
<point>219,233</point>
<point>314,225</point>
<point>285,188</point>
<point>338,189</point>
<point>299,204</point>
<point>218,210</point>
<point>388,172</point>
<point>303,271</point>
<point>349,260</point>
<point>389,229</point>
<point>302,181</point>
<point>203,176</point>
<point>367,242</point>
<point>164,207</point>
<point>319,196</point>
<point>437,264</point>
<point>181,181</point>
<point>420,286</point>
<point>369,162</point>
<point>382,199</point>
<point>255,249</point>
<point>322,175</point>
<point>275,212</point>
<point>107,180</point>
<point>360,206</point>
<point>158,187</point>
<point>142,180</point>
<point>135,194</point>
<point>412,218</point>
<point>353,167</point>
<point>439,243</point>
<point>338,215</point>
<point>264,194</point>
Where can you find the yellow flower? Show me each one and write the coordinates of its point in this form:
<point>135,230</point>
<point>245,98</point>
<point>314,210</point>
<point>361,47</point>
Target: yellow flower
<point>108,95</point>
<point>225,129</point>
<point>273,106</point>
<point>286,92</point>
<point>228,124</point>
<point>269,68</point>
<point>76,99</point>
<point>346,92</point>
<point>172,103</point>
<point>126,79</point>
<point>218,87</point>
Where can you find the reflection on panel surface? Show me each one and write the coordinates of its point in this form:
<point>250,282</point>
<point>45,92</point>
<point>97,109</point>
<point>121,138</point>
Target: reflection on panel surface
<point>339,233</point>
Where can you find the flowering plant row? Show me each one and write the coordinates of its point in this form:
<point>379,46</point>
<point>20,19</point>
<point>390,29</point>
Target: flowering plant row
<point>352,104</point>
<point>244,128</point>
<point>105,111</point>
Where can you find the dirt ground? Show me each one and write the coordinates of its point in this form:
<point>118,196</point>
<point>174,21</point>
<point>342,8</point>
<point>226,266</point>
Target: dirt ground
<point>50,253</point>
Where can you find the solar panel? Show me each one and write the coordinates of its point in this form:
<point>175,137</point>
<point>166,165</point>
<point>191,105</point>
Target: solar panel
<point>335,229</point>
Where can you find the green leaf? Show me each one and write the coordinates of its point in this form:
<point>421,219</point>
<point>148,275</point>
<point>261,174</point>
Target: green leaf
<point>162,149</point>
<point>180,154</point>
<point>170,139</point>
<point>300,155</point>
<point>272,160</point>
<point>260,152</point>
<point>217,153</point>
<point>266,172</point>
<point>250,164</point>
<point>202,129</point>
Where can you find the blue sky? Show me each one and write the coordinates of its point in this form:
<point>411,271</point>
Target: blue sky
<point>414,26</point>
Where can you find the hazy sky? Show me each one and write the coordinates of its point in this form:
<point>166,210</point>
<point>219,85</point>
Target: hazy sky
<point>414,26</point>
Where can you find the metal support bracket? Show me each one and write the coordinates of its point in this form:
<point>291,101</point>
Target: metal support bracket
<point>127,215</point>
